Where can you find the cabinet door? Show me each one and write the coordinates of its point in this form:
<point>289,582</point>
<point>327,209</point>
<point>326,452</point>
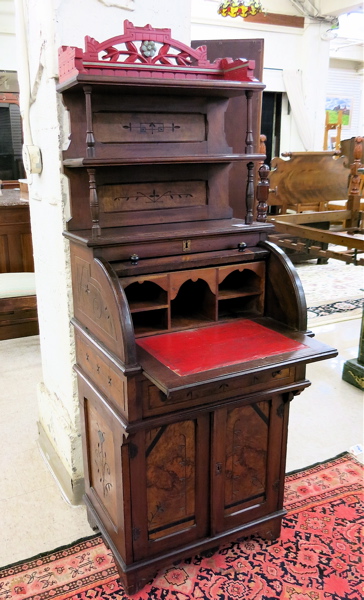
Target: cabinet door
<point>170,482</point>
<point>248,461</point>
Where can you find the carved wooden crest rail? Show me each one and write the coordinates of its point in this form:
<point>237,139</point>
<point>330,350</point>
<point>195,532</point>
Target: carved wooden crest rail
<point>148,52</point>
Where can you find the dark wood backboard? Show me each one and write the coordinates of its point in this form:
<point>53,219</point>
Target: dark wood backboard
<point>236,111</point>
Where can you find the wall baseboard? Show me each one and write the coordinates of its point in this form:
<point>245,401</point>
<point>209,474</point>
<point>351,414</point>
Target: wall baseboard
<point>72,489</point>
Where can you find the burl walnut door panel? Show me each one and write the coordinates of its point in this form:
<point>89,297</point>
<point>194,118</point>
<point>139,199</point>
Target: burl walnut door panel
<point>247,441</point>
<point>170,475</point>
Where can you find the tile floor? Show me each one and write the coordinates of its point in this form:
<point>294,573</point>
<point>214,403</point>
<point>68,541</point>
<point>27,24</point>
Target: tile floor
<point>326,419</point>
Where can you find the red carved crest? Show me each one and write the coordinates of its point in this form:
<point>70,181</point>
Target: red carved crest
<point>148,52</point>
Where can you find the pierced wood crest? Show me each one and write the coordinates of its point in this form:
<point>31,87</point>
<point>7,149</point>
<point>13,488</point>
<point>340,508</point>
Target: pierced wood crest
<point>141,50</point>
<point>145,45</point>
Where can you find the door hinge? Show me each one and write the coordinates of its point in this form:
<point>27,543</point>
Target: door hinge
<point>136,533</point>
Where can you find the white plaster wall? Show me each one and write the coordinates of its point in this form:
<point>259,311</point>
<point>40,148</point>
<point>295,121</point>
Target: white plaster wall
<point>75,19</point>
<point>50,24</point>
<point>7,38</point>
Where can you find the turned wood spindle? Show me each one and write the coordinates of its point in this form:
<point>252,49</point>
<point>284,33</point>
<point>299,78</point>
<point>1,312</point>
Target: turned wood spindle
<point>262,193</point>
<point>249,140</point>
<point>262,144</point>
<point>94,203</point>
<point>355,185</point>
<point>90,139</point>
<point>250,194</point>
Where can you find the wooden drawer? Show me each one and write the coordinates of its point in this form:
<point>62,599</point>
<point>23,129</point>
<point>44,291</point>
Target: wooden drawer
<point>179,246</point>
<point>106,376</point>
<point>155,402</point>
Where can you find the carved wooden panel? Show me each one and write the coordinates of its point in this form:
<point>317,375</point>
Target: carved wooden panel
<point>246,455</point>
<point>90,298</point>
<point>171,466</point>
<point>308,179</point>
<point>156,195</point>
<point>102,461</point>
<point>123,127</point>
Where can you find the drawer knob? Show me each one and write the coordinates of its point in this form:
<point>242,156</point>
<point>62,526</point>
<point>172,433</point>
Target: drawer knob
<point>241,246</point>
<point>134,259</point>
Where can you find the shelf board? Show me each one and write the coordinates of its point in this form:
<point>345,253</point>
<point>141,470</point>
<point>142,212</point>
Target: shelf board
<point>226,294</point>
<point>181,322</point>
<point>146,331</point>
<point>145,306</point>
<point>220,88</point>
<point>226,315</point>
<point>76,163</point>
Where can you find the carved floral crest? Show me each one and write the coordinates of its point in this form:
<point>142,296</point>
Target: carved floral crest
<point>144,52</point>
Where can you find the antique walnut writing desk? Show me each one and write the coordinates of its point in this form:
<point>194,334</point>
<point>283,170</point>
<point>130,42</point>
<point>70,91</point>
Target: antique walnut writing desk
<point>190,327</point>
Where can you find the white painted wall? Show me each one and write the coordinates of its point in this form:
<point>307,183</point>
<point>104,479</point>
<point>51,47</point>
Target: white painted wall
<point>7,38</point>
<point>48,25</point>
<point>97,19</point>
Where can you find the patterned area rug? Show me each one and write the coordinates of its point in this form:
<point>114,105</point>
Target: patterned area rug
<point>334,292</point>
<point>318,556</point>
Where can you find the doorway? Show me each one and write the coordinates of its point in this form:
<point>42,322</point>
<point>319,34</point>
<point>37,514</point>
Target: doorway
<point>271,123</point>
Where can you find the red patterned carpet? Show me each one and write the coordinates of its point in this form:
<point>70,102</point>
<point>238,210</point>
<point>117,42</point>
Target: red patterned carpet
<point>318,556</point>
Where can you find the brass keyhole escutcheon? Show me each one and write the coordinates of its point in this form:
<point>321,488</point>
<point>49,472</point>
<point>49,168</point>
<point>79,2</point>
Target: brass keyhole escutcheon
<point>186,245</point>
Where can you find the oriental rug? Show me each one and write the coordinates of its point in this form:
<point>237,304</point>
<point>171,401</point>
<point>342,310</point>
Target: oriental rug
<point>334,291</point>
<point>318,556</point>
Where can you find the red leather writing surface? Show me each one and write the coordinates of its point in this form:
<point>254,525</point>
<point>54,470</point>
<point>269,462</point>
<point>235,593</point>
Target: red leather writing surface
<point>220,345</point>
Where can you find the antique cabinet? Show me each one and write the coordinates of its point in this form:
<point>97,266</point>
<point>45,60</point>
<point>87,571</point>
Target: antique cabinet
<point>190,327</point>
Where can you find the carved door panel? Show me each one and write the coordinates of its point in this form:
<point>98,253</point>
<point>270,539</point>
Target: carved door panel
<point>247,446</point>
<point>170,475</point>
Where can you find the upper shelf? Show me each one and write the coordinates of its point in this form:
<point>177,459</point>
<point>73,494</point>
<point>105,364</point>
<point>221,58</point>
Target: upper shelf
<point>144,57</point>
<point>161,87</point>
<point>75,163</point>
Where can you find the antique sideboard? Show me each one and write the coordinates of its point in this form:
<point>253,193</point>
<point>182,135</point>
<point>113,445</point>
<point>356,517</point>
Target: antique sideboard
<point>191,334</point>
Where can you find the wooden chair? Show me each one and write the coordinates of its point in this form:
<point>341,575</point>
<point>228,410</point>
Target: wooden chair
<point>330,126</point>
